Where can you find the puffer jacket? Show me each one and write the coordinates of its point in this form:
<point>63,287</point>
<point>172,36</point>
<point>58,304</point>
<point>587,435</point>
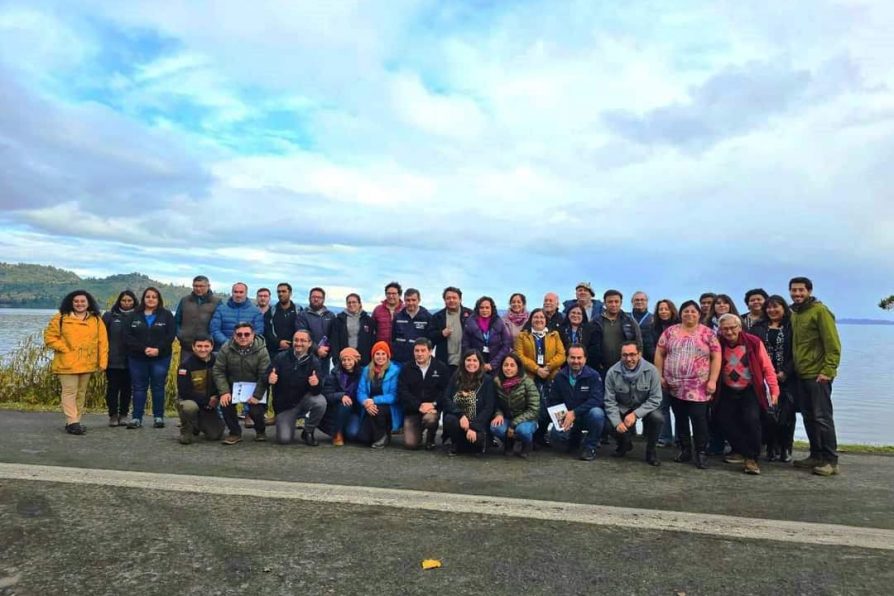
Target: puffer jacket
<point>521,404</point>
<point>228,314</point>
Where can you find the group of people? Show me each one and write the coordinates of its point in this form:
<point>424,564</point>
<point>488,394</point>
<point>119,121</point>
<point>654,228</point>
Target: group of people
<point>567,375</point>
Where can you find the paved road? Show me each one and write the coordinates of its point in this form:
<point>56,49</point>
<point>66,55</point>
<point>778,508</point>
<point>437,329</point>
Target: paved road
<point>102,538</point>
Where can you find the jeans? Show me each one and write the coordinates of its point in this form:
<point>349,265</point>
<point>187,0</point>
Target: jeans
<point>816,408</point>
<point>146,373</point>
<point>667,431</point>
<point>312,406</point>
<point>524,431</point>
<point>739,414</point>
<point>118,391</point>
<point>697,412</point>
<point>336,419</point>
<point>593,422</point>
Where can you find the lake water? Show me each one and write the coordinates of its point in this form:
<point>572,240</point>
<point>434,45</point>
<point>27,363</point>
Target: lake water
<point>863,395</point>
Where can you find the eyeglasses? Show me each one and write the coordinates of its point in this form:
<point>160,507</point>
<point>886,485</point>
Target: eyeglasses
<point>246,334</point>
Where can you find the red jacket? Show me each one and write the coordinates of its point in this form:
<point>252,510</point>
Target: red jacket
<point>383,319</point>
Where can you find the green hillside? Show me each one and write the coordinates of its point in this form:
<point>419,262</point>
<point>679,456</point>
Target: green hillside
<point>40,286</point>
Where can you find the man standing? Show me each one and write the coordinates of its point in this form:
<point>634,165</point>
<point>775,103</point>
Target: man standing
<point>238,309</point>
<point>317,319</point>
<point>297,383</point>
<point>642,316</point>
<point>353,328</point>
<point>193,317</point>
<point>554,318</point>
<point>446,330</point>
<point>584,298</point>
<point>262,300</point>
<point>411,322</point>
<point>754,300</point>
<point>420,385</point>
<point>609,331</point>
<point>633,392</point>
<point>817,352</point>
<point>198,395</point>
<point>384,313</point>
<point>279,321</point>
<point>244,359</point>
<point>706,304</point>
<point>579,388</point>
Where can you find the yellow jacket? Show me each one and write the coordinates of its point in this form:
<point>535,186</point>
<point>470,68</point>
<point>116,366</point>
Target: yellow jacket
<point>78,346</point>
<point>554,352</point>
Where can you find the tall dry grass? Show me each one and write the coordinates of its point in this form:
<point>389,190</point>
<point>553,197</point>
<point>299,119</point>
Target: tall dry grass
<point>26,378</point>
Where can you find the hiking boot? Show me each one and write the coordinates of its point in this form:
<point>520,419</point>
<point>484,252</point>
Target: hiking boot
<point>74,429</point>
<point>113,421</point>
<point>261,436</point>
<point>159,423</point>
<point>232,439</point>
<point>826,469</point>
<point>701,460</point>
<point>339,440</point>
<point>249,422</point>
<point>751,467</point>
<point>135,423</point>
<point>588,454</point>
<point>808,462</point>
<point>309,439</point>
<point>734,458</point>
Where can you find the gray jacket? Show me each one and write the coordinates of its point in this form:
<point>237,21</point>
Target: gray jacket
<point>642,396</point>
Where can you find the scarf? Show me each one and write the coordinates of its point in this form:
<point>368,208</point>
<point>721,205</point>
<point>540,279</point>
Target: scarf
<point>630,376</point>
<point>483,324</point>
<point>510,384</point>
<point>518,318</point>
<point>540,334</point>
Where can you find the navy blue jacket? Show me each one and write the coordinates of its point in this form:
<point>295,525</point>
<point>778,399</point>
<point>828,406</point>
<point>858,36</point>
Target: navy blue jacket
<point>161,334</point>
<point>436,329</point>
<point>404,331</point>
<point>586,394</point>
<point>292,383</point>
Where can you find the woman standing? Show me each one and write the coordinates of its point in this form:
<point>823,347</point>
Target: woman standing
<point>688,358</point>
<point>468,404</point>
<point>775,329</point>
<point>118,387</point>
<point>517,407</point>
<point>574,330</point>
<point>664,317</point>
<point>382,414</point>
<point>80,345</point>
<point>723,304</point>
<point>517,315</point>
<point>486,332</point>
<point>149,338</point>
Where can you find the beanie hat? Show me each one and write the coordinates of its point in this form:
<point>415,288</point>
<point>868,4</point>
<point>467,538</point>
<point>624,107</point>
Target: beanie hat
<point>381,345</point>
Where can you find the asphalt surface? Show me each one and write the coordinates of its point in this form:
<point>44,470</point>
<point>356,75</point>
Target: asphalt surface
<point>59,538</point>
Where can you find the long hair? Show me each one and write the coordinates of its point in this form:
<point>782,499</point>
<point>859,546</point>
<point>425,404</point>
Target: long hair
<point>67,305</point>
<point>778,300</point>
<point>521,369</point>
<point>161,302</point>
<point>657,323</point>
<point>466,381</point>
<point>371,370</point>
<point>727,300</point>
<point>117,306</point>
<point>493,306</point>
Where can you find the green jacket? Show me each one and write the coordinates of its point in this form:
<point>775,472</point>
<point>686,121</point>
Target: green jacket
<point>815,343</point>
<point>231,366</point>
<point>522,404</point>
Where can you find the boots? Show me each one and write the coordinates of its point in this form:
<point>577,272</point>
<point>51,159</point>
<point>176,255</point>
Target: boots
<point>508,446</point>
<point>309,439</point>
<point>685,454</point>
<point>701,460</point>
<point>652,457</point>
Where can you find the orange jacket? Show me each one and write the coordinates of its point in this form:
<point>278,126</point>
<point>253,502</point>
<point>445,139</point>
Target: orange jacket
<point>78,346</point>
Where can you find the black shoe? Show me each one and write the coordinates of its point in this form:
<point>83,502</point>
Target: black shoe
<point>75,429</point>
<point>625,444</point>
<point>525,450</point>
<point>701,460</point>
<point>261,436</point>
<point>684,456</point>
<point>508,446</point>
<point>309,439</point>
<point>652,458</point>
<point>380,444</point>
<point>430,439</point>
<point>588,453</point>
<point>451,451</point>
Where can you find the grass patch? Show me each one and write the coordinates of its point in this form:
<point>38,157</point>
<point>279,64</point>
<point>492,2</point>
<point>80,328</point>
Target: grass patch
<point>854,448</point>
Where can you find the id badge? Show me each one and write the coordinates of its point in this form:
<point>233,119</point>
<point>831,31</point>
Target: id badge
<point>485,350</point>
<point>539,359</point>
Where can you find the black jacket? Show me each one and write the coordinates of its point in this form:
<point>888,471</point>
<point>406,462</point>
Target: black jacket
<point>294,379</point>
<point>436,330</point>
<point>161,334</point>
<point>365,338</point>
<point>195,381</point>
<point>413,390</point>
<point>279,324</point>
<point>117,324</point>
<point>584,332</point>
<point>484,404</point>
<point>595,358</point>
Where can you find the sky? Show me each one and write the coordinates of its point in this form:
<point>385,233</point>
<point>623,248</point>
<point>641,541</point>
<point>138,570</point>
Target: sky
<point>672,147</point>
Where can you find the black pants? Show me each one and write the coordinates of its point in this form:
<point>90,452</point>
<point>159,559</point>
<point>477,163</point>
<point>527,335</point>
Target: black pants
<point>652,425</point>
<point>697,413</point>
<point>779,431</point>
<point>255,412</point>
<point>739,415</point>
<point>816,408</point>
<point>376,427</point>
<point>118,390</point>
<point>458,436</point>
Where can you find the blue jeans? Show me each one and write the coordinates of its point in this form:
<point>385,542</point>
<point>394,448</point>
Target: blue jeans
<point>146,373</point>
<point>592,422</point>
<point>667,431</point>
<point>524,431</point>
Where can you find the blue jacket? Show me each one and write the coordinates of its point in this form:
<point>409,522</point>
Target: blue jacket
<point>228,314</point>
<point>586,394</point>
<point>388,397</point>
<point>404,331</point>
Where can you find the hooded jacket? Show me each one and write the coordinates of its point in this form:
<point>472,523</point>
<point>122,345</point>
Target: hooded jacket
<point>78,346</point>
<point>520,404</point>
<point>642,396</point>
<point>388,396</point>
<point>117,324</point>
<point>232,366</point>
<point>816,346</point>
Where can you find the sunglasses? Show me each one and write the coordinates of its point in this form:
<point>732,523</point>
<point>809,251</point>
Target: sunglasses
<point>246,334</point>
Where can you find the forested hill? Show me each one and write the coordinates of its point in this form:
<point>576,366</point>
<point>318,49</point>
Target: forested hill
<point>40,286</point>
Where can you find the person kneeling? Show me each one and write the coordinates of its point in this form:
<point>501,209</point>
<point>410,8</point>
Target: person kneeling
<point>579,388</point>
<point>517,407</point>
<point>633,392</point>
<point>420,385</point>
<point>296,379</point>
<point>468,404</point>
<point>198,395</point>
<point>340,390</point>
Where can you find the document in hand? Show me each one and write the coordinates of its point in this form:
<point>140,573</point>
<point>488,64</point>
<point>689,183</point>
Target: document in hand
<point>557,415</point>
<point>242,391</point>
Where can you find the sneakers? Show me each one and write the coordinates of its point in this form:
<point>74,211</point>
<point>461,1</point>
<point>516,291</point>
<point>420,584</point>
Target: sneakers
<point>380,444</point>
<point>122,420</point>
<point>339,440</point>
<point>159,423</point>
<point>113,421</point>
<point>588,453</point>
<point>261,436</point>
<point>309,439</point>
<point>135,423</point>
<point>826,469</point>
<point>751,467</point>
<point>808,462</point>
<point>232,439</point>
<point>734,458</point>
<point>75,429</point>
<point>249,422</point>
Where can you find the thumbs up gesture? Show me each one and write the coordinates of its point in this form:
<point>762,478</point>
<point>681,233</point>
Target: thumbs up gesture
<point>272,378</point>
<point>313,380</point>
